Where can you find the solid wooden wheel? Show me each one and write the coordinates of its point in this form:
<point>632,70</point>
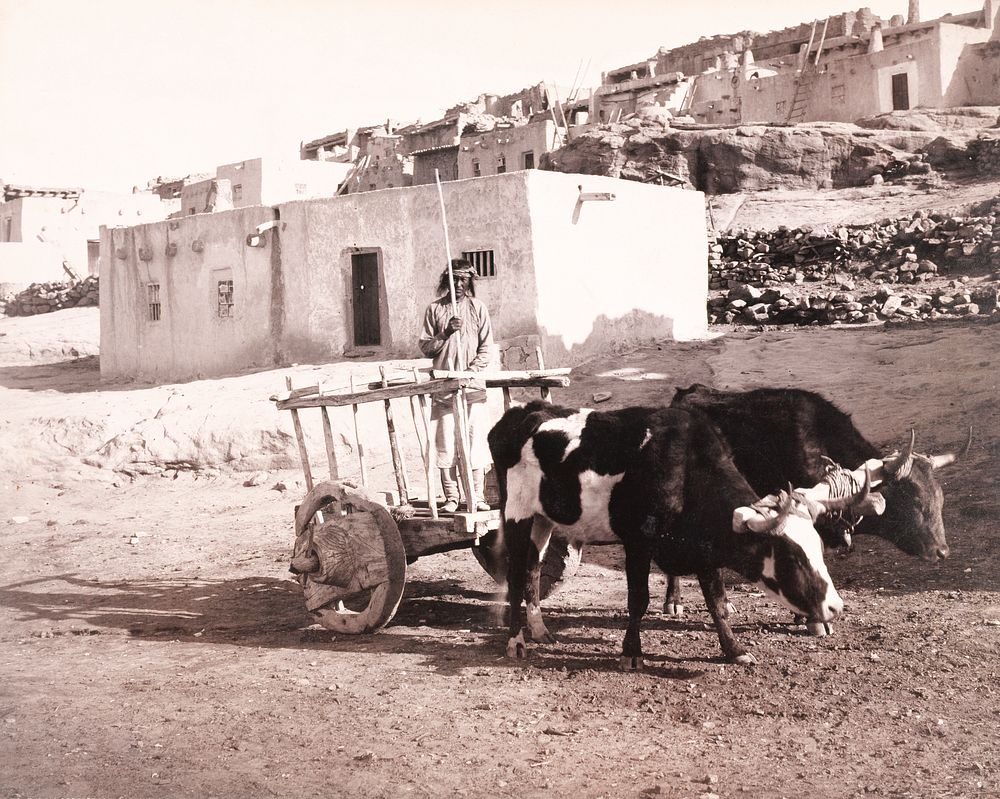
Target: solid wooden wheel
<point>357,565</point>
<point>562,559</point>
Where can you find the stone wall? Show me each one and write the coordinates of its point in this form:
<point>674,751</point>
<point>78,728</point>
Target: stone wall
<point>47,297</point>
<point>893,269</point>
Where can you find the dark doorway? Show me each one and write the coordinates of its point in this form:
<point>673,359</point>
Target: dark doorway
<point>364,277</point>
<point>900,92</point>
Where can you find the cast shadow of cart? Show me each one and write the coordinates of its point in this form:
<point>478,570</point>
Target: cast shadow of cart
<point>451,628</point>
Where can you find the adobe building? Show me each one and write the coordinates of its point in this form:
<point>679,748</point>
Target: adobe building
<point>581,261</point>
<point>843,68</point>
<point>54,234</point>
<point>261,181</point>
<point>506,147</point>
<point>391,156</point>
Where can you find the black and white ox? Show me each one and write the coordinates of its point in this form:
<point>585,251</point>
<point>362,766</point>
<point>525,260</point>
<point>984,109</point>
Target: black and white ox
<point>661,480</point>
<point>784,435</point>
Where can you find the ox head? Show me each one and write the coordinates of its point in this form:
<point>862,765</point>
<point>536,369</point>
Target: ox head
<point>789,561</point>
<point>913,499</point>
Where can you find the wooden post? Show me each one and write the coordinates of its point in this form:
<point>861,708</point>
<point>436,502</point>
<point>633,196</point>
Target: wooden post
<point>416,408</point>
<point>357,441</point>
<point>462,445</point>
<point>506,398</point>
<point>398,466</point>
<point>425,409</point>
<point>544,391</point>
<point>331,455</point>
<point>303,454</point>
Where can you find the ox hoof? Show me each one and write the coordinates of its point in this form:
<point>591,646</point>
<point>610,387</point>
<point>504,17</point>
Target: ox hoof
<point>819,629</point>
<point>674,609</point>
<point>628,663</point>
<point>516,648</point>
<point>746,659</point>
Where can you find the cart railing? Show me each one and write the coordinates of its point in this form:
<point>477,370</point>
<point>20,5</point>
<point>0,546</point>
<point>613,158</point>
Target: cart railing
<point>419,386</point>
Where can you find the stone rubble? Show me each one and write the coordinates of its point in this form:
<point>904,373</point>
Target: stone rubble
<point>870,273</point>
<point>47,297</point>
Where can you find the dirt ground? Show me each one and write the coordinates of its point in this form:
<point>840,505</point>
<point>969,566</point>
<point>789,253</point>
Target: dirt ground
<point>153,643</point>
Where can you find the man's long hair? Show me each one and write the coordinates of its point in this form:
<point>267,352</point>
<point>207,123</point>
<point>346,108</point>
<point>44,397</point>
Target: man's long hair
<point>458,264</point>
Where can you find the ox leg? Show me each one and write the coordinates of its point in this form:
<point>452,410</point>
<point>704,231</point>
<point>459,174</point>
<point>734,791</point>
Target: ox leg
<point>714,590</point>
<point>517,537</point>
<point>541,533</point>
<point>673,604</point>
<point>637,558</point>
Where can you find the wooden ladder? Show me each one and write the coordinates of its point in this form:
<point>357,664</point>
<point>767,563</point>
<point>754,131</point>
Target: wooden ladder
<point>807,77</point>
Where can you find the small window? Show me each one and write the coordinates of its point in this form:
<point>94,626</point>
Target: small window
<point>528,159</point>
<point>482,261</point>
<point>192,211</point>
<point>237,191</point>
<point>153,301</point>
<point>501,164</point>
<point>225,299</point>
<point>454,171</point>
<point>779,107</point>
<point>475,169</point>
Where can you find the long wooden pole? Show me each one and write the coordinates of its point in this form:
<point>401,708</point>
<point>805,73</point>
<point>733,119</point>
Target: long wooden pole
<point>447,246</point>
<point>461,408</point>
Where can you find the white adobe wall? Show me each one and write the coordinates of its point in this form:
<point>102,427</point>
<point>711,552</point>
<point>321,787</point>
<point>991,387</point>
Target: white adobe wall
<point>585,277</point>
<point>609,273</point>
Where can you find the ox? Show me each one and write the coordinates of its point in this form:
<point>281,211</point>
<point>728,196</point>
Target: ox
<point>662,480</point>
<point>787,435</point>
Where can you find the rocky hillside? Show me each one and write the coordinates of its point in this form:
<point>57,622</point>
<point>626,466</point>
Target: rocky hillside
<point>910,251</point>
<point>651,148</point>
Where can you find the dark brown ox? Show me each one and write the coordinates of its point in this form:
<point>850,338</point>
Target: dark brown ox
<point>787,435</point>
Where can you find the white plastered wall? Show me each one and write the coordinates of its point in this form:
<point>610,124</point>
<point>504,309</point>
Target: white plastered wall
<point>614,272</point>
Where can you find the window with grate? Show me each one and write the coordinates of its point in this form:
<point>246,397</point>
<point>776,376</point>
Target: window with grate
<point>528,159</point>
<point>237,191</point>
<point>225,298</point>
<point>475,169</point>
<point>153,301</point>
<point>482,261</point>
<point>501,164</point>
<point>301,188</point>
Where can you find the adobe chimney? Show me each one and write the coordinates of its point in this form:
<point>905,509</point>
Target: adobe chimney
<point>913,14</point>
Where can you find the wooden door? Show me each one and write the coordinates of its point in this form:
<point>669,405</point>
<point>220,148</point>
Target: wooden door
<point>364,278</point>
<point>900,92</point>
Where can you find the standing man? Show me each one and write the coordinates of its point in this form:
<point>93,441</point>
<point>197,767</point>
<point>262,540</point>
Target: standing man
<point>459,342</point>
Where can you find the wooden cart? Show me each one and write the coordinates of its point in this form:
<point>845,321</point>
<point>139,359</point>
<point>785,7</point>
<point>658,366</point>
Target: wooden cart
<point>352,544</point>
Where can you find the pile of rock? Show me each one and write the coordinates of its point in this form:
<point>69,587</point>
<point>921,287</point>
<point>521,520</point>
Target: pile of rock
<point>985,153</point>
<point>747,269</point>
<point>46,297</point>
<point>745,304</point>
<point>961,242</point>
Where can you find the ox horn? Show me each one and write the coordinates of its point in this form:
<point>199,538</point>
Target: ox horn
<point>782,505</point>
<point>898,466</point>
<point>937,461</point>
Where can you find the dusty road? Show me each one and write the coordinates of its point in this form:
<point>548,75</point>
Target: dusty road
<point>152,643</point>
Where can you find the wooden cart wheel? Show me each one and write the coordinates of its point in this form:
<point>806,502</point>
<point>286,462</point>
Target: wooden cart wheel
<point>562,559</point>
<point>358,565</point>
